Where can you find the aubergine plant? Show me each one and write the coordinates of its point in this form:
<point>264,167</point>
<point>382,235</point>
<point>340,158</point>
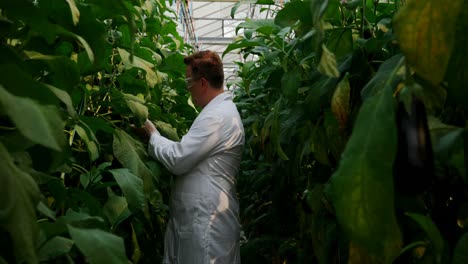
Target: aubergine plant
<point>76,183</point>
<point>334,104</point>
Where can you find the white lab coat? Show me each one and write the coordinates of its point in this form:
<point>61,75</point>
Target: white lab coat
<point>204,212</point>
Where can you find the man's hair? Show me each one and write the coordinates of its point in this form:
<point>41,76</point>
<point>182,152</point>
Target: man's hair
<point>206,64</point>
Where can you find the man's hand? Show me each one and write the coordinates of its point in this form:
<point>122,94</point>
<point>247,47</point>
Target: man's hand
<point>149,128</point>
<point>144,132</point>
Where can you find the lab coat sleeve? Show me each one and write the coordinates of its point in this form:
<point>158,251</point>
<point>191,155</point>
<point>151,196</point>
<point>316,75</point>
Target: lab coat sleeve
<point>180,157</point>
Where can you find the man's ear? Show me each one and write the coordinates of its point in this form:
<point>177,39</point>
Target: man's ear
<point>204,84</point>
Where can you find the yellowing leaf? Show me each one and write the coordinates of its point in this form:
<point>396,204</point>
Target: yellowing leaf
<point>426,33</point>
<point>340,102</point>
<point>151,77</point>
<point>74,11</point>
<point>327,64</point>
<point>356,187</point>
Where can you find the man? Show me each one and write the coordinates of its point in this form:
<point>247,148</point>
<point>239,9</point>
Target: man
<point>204,219</point>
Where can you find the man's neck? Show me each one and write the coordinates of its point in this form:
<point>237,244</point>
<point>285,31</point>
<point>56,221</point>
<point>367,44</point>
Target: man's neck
<point>212,94</point>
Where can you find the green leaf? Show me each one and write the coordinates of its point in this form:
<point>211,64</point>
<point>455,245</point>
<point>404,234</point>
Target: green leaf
<point>116,209</point>
<point>318,8</point>
<point>266,26</point>
<point>97,124</point>
<point>19,195</point>
<point>136,105</point>
<point>426,33</point>
<point>292,12</point>
<point>54,248</point>
<point>290,82</point>
<point>275,130</point>
<point>45,210</point>
<point>99,246</point>
<point>340,42</point>
<point>20,83</point>
<point>83,42</point>
<point>433,233</point>
<point>449,147</point>
<point>129,152</point>
<point>63,72</point>
<point>242,43</point>
<point>132,187</point>
<point>460,254</point>
<point>91,143</point>
<point>235,7</point>
<point>80,219</point>
<point>458,64</point>
<point>39,123</point>
<point>65,98</point>
<point>362,186</point>
<point>151,77</point>
<point>389,74</point>
<point>167,130</point>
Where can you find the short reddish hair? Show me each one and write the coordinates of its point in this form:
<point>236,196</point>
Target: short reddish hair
<point>206,64</point>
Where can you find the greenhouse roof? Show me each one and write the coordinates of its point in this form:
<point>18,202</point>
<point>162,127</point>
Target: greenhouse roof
<point>208,25</point>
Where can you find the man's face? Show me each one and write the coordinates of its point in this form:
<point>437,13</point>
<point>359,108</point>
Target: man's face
<point>194,87</point>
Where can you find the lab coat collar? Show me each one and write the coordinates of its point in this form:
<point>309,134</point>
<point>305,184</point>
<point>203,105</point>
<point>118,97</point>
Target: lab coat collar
<point>218,99</point>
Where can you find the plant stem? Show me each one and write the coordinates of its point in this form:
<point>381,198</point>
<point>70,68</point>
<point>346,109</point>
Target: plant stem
<point>363,11</point>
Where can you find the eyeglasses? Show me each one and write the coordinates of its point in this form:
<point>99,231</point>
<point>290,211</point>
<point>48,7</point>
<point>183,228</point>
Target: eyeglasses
<point>188,82</point>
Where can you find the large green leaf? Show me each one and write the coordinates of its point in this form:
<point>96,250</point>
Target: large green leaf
<point>167,130</point>
<point>340,42</point>
<point>458,65</point>
<point>19,196</point>
<point>388,74</point>
<point>151,77</point>
<point>64,72</point>
<point>242,43</point>
<point>39,123</point>
<point>132,187</point>
<point>136,105</point>
<point>426,33</point>
<point>116,209</point>
<point>99,246</point>
<point>362,186</point>
<point>55,247</point>
<point>130,152</point>
<point>292,12</point>
<point>264,26</point>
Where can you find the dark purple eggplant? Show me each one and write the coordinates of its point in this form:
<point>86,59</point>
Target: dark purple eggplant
<point>414,163</point>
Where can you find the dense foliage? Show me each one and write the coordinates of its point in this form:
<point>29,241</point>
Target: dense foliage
<point>74,76</point>
<point>335,169</point>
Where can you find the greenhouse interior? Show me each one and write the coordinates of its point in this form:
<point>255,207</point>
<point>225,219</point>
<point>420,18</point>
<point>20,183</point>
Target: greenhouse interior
<point>337,134</point>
